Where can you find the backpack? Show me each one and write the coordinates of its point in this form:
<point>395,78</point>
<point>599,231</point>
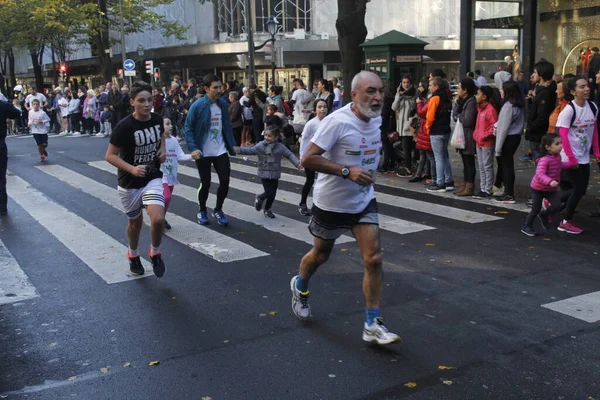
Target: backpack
<point>593,106</point>
<point>287,108</point>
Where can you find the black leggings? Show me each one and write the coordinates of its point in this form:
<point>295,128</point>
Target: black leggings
<point>468,167</point>
<point>536,206</point>
<point>270,186</point>
<point>3,167</point>
<point>408,145</point>
<point>506,163</point>
<point>223,168</point>
<point>310,181</point>
<point>579,179</point>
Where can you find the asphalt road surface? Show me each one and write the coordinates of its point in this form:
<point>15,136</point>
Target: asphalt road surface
<point>484,312</point>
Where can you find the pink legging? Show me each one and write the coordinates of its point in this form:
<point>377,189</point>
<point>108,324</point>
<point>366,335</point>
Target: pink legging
<point>167,190</point>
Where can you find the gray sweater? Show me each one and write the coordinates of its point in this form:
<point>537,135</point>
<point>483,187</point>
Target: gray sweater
<point>269,158</point>
<point>510,122</point>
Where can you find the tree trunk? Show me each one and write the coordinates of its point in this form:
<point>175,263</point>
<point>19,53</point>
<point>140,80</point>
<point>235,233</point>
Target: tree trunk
<point>350,25</point>
<point>102,42</point>
<point>55,67</point>
<point>11,67</point>
<point>37,70</point>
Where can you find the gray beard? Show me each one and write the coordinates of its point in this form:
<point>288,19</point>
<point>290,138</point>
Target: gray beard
<point>367,112</point>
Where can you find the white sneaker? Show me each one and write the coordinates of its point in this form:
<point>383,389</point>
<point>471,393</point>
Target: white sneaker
<point>99,135</point>
<point>379,333</point>
<point>300,305</point>
<point>498,191</point>
<point>77,134</point>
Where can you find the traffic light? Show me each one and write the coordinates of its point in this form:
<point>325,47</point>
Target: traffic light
<point>242,61</point>
<point>120,72</point>
<point>149,66</point>
<point>156,74</point>
<point>62,72</point>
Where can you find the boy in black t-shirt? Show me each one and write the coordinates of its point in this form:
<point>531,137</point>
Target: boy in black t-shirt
<point>136,148</point>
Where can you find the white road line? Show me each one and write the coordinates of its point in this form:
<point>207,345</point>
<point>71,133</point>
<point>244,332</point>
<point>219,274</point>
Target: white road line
<point>438,210</point>
<point>585,307</point>
<point>283,225</point>
<point>103,254</point>
<point>387,223</point>
<point>210,243</point>
<point>14,284</point>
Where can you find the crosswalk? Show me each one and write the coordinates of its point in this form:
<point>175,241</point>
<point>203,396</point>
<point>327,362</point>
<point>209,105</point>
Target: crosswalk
<point>104,254</point>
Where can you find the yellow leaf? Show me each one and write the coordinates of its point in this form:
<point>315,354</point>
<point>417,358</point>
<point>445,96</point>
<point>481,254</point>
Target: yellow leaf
<point>532,247</point>
<point>273,313</point>
<point>547,239</point>
<point>206,398</point>
<point>444,368</point>
<point>72,378</point>
<point>126,365</point>
<point>501,212</point>
<point>153,363</point>
<point>448,262</point>
<point>447,383</point>
<point>343,249</point>
<point>430,244</point>
<point>104,370</point>
<point>225,341</point>
<point>410,385</point>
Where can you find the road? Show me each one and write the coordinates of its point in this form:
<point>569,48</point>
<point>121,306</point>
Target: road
<point>463,287</point>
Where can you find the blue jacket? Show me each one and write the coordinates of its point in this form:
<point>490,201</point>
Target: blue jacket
<point>197,125</point>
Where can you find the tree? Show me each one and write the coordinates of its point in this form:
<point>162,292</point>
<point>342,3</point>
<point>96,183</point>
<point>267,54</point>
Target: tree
<point>352,32</point>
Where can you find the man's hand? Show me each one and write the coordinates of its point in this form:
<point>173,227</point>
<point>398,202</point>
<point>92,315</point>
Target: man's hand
<point>196,155</point>
<point>236,149</point>
<point>554,184</point>
<point>162,156</point>
<point>360,176</point>
<point>138,170</point>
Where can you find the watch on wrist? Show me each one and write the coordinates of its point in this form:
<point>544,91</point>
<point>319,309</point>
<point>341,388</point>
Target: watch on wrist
<point>345,172</point>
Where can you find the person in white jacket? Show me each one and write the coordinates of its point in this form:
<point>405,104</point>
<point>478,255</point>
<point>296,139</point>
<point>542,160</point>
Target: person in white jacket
<point>405,107</point>
<point>169,167</point>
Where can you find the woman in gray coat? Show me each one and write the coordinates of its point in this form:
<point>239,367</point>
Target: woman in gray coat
<point>405,107</point>
<point>269,152</point>
<point>465,111</point>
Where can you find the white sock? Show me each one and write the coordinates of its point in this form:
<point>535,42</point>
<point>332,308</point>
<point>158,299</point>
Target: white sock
<point>154,250</point>
<point>133,253</point>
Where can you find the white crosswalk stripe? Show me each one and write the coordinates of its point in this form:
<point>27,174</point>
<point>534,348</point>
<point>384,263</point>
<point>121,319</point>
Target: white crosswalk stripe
<point>286,226</point>
<point>387,223</point>
<point>104,255</point>
<point>438,210</point>
<point>210,243</point>
<point>14,283</point>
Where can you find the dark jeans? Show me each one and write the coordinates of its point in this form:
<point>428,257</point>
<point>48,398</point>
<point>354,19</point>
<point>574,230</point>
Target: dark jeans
<point>223,168</point>
<point>506,163</point>
<point>310,181</point>
<point>3,166</point>
<point>389,155</point>
<point>579,179</point>
<point>88,125</point>
<point>408,145</point>
<point>258,126</point>
<point>270,186</point>
<point>469,169</point>
<point>237,135</point>
<point>75,120</point>
<point>536,206</point>
<point>535,149</point>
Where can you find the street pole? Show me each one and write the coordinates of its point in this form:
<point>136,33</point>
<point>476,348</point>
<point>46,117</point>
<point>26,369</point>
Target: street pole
<point>273,53</point>
<point>252,69</point>
<point>123,52</point>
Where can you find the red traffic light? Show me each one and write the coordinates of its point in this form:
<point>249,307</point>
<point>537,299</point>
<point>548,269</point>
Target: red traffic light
<point>63,68</point>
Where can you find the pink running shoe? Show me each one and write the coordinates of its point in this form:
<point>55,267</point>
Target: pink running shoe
<point>569,227</point>
<point>545,206</point>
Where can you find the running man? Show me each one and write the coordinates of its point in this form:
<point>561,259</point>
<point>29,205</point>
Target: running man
<point>209,138</point>
<point>136,148</point>
<point>345,152</point>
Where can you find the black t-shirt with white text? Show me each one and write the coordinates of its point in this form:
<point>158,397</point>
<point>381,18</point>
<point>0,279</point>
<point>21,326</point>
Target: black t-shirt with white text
<point>139,142</point>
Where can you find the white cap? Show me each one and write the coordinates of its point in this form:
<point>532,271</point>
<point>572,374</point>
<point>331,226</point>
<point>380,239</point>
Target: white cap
<point>18,88</point>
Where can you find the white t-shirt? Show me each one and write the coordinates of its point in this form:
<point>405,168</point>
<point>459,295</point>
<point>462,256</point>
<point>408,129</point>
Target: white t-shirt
<point>349,141</point>
<point>307,133</point>
<point>215,144</point>
<point>63,104</point>
<point>581,133</point>
<point>337,93</point>
<point>38,96</point>
<point>302,98</point>
<point>39,122</point>
<point>174,154</point>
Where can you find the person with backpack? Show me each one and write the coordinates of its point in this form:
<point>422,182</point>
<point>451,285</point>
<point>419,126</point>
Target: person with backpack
<point>577,124</point>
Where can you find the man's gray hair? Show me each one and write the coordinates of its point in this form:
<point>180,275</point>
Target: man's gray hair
<point>360,76</point>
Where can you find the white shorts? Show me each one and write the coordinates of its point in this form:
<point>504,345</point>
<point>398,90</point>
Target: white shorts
<point>134,200</point>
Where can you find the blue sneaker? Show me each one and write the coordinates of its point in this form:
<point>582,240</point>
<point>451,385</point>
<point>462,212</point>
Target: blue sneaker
<point>526,157</point>
<point>203,218</point>
<point>220,217</point>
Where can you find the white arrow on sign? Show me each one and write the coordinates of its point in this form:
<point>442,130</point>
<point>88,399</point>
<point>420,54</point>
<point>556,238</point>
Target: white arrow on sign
<point>129,65</point>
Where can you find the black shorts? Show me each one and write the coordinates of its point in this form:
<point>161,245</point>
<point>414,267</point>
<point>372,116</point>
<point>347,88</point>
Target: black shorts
<point>247,122</point>
<point>328,225</point>
<point>41,138</point>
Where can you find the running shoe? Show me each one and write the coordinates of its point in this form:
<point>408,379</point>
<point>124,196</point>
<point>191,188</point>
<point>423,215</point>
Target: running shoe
<point>300,305</point>
<point>481,195</point>
<point>42,158</point>
<point>303,210</point>
<point>220,217</point>
<point>258,203</point>
<point>66,133</point>
<point>569,227</point>
<point>415,179</point>
<point>269,214</point>
<point>100,135</point>
<point>526,157</point>
<point>528,230</point>
<point>135,265</point>
<point>45,153</point>
<point>544,221</point>
<point>158,266</point>
<point>379,333</point>
<point>506,199</point>
<point>203,218</point>
<point>167,225</point>
<point>498,191</point>
<point>449,186</point>
<point>436,188</point>
<point>77,134</point>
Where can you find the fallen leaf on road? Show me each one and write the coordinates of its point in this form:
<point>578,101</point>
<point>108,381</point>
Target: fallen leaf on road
<point>410,385</point>
<point>430,244</point>
<point>489,208</point>
<point>126,365</point>
<point>343,249</point>
<point>273,313</point>
<point>72,378</point>
<point>532,247</point>
<point>153,363</point>
<point>206,398</point>
<point>447,383</point>
<point>444,367</point>
<point>173,298</point>
<point>501,212</point>
<point>225,341</point>
<point>547,239</point>
<point>104,370</point>
<point>448,262</point>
